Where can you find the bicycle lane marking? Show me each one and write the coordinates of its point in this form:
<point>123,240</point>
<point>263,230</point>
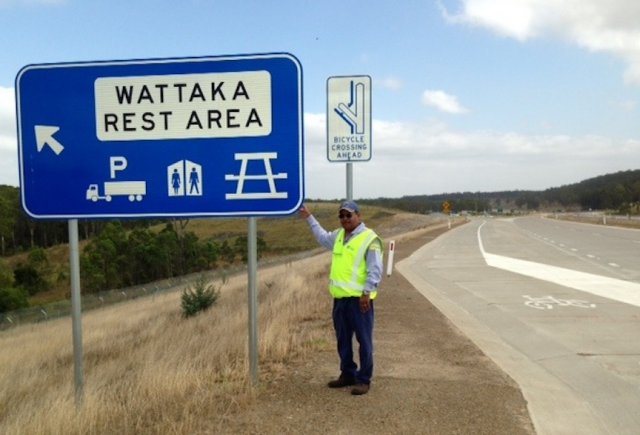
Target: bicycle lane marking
<point>547,302</point>
<point>616,289</point>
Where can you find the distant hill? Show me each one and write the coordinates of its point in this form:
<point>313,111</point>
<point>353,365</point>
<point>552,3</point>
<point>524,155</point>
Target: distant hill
<point>619,192</point>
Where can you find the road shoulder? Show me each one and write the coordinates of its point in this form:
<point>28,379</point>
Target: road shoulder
<point>428,378</point>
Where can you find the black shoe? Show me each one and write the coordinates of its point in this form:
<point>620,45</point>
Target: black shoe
<point>342,381</point>
<point>360,389</point>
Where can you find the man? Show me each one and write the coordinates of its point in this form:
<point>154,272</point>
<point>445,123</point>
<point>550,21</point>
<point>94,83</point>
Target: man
<point>356,270</point>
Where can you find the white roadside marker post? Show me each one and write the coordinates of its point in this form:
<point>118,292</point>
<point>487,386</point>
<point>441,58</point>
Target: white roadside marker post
<point>392,246</point>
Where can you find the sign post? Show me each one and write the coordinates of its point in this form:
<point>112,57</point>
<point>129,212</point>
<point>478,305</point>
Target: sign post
<point>349,122</point>
<point>76,309</point>
<point>252,266</point>
<point>188,137</point>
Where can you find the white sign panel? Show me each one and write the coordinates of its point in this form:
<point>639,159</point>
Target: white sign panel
<point>182,106</point>
<point>349,119</point>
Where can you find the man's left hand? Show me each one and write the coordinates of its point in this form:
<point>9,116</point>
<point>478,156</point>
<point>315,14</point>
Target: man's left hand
<point>365,303</point>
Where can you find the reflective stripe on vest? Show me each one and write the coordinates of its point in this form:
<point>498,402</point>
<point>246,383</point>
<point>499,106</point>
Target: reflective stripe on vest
<point>348,265</point>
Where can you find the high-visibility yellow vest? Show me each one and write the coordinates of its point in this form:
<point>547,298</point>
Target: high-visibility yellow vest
<point>348,265</point>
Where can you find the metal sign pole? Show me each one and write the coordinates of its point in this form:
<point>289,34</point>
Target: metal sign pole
<point>76,308</point>
<point>252,266</point>
<point>349,181</point>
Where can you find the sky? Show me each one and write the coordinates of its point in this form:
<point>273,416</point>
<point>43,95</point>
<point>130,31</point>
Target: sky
<point>467,95</point>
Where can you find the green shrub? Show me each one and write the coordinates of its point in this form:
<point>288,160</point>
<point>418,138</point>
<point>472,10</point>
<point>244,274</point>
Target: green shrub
<point>13,299</point>
<point>6,275</point>
<point>199,296</point>
<point>27,277</point>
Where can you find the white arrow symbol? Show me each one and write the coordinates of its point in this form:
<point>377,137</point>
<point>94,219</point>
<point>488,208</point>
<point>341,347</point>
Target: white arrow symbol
<point>44,136</point>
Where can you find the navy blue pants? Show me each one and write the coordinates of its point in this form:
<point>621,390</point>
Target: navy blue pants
<point>347,321</point>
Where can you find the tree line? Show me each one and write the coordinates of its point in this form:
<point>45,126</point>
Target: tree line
<point>119,258</point>
<point>618,192</point>
<point>19,233</point>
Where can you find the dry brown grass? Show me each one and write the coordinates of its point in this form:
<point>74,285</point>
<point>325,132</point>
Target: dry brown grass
<point>149,370</point>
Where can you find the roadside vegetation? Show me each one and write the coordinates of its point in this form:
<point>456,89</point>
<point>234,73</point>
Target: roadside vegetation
<point>124,256</point>
<point>200,296</point>
<point>150,369</point>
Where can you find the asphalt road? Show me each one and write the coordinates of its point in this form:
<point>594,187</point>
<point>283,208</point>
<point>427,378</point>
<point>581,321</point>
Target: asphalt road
<point>555,304</point>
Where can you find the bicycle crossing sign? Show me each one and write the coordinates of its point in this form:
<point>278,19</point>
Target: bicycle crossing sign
<point>211,136</point>
<point>349,119</point>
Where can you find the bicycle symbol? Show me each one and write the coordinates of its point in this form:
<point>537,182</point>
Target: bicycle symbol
<point>548,302</point>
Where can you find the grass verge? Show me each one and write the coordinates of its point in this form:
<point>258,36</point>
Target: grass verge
<point>147,369</point>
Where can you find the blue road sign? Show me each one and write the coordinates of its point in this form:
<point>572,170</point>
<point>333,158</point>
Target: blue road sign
<point>214,136</point>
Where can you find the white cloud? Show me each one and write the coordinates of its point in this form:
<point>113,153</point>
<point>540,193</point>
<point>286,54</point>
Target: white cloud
<point>610,26</point>
<point>8,142</point>
<point>442,101</point>
<point>430,158</point>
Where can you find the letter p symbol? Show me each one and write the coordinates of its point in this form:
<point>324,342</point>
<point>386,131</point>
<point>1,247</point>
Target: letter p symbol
<point>117,163</point>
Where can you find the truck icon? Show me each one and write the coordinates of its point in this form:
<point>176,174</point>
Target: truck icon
<point>134,190</point>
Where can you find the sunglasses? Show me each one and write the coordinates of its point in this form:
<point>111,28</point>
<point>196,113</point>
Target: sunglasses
<point>345,215</point>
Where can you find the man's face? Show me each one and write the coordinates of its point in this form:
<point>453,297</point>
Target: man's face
<point>349,220</point>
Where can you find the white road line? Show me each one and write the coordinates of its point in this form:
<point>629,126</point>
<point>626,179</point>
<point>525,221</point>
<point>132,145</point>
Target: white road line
<point>616,289</point>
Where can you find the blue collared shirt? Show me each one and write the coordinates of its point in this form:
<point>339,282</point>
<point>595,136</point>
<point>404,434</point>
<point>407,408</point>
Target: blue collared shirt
<point>374,253</point>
